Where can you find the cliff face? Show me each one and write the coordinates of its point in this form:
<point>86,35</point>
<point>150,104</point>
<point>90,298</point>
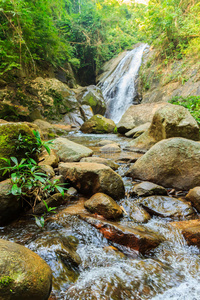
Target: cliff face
<point>161,81</point>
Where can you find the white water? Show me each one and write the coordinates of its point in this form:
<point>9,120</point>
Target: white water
<point>119,88</point>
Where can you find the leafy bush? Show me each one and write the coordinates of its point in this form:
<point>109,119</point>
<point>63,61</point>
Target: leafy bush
<point>28,180</point>
<point>173,27</point>
<point>192,103</point>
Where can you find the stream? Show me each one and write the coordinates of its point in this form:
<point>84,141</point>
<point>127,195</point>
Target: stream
<point>108,271</point>
<point>105,270</point>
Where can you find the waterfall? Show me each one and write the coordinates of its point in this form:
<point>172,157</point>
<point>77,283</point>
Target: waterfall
<point>119,87</point>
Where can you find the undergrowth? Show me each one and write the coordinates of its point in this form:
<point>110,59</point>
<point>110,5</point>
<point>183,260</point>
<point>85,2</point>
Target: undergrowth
<point>29,182</point>
<point>192,103</point>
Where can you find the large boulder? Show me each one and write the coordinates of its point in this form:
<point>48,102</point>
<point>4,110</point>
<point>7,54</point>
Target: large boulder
<point>137,115</point>
<point>24,275</point>
<point>172,162</point>
<point>55,98</point>
<point>91,178</point>
<point>9,141</point>
<point>93,97</point>
<point>103,205</point>
<point>10,206</point>
<point>169,121</point>
<point>98,124</point>
<point>69,151</point>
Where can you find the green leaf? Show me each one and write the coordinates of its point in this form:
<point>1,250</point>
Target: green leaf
<point>14,159</point>
<point>15,190</point>
<point>47,149</point>
<point>60,189</point>
<point>39,221</point>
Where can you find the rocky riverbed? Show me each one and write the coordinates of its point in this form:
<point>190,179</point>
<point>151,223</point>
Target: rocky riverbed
<point>150,250</point>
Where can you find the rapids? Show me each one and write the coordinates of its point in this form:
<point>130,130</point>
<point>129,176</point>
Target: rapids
<point>171,271</point>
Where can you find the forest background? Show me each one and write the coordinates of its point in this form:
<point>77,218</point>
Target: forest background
<point>87,33</point>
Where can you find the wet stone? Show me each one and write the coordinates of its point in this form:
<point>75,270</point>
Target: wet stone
<point>190,230</point>
<point>138,238</point>
<point>194,197</point>
<point>103,205</point>
<point>139,214</point>
<point>147,189</point>
<point>167,207</point>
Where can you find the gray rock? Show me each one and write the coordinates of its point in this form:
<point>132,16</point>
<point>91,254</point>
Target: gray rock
<point>70,151</point>
<point>139,214</point>
<point>106,142</point>
<point>92,178</point>
<point>100,160</point>
<point>137,131</point>
<point>74,118</point>
<point>165,206</point>
<point>147,189</point>
<point>172,162</point>
<point>86,112</point>
<point>98,124</point>
<point>93,97</point>
<point>48,170</point>
<point>137,115</point>
<point>169,121</point>
<point>111,148</point>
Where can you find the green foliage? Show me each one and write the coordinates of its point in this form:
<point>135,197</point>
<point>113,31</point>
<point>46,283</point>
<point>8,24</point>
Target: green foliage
<point>39,221</point>
<point>28,181</point>
<point>86,33</point>
<point>54,185</point>
<point>192,103</point>
<point>42,144</point>
<point>173,27</point>
<point>5,281</point>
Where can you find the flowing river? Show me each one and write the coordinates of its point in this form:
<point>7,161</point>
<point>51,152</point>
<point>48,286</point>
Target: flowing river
<point>171,271</point>
<point>106,270</point>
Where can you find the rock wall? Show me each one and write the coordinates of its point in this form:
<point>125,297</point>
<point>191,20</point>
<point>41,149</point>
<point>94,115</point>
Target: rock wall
<point>159,81</point>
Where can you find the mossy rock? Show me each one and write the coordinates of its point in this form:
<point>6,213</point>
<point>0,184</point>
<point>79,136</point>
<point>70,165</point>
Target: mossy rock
<point>9,133</point>
<point>98,124</point>
<point>24,275</point>
<point>92,96</point>
<point>13,112</point>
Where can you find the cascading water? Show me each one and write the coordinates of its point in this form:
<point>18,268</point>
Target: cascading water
<point>119,88</point>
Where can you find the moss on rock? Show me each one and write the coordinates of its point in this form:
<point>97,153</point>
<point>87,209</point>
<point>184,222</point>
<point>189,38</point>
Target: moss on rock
<point>98,124</point>
<point>24,275</point>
